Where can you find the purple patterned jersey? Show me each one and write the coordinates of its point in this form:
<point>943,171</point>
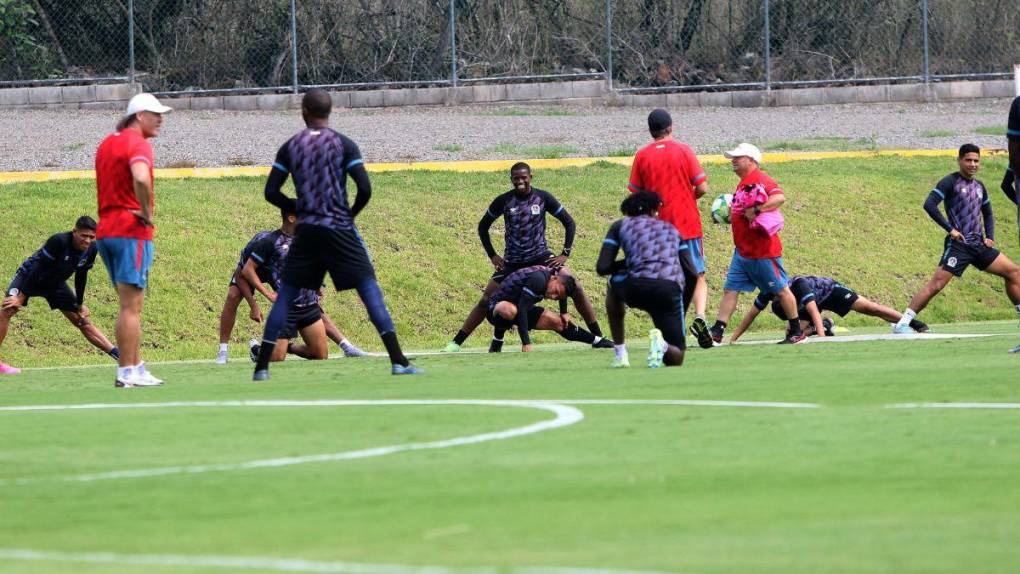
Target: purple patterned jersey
<point>530,281</point>
<point>651,247</point>
<point>524,220</point>
<point>964,200</point>
<point>272,250</point>
<point>263,272</point>
<point>805,288</point>
<point>319,160</point>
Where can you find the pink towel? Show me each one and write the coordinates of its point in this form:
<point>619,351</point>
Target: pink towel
<point>750,196</point>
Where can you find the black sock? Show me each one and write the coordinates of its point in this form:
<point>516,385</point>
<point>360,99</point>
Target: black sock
<point>575,333</point>
<point>265,352</point>
<point>594,328</point>
<point>460,337</point>
<point>497,341</point>
<point>795,327</point>
<point>719,326</point>
<point>393,349</point>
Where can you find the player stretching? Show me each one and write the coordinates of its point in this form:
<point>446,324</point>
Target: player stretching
<point>523,210</point>
<point>650,277</point>
<point>326,239</point>
<point>252,272</point>
<point>969,212</point>
<point>671,170</point>
<point>45,275</point>
<point>515,304</point>
<point>817,294</point>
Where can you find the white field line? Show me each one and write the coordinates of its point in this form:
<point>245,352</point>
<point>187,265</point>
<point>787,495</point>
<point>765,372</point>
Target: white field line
<point>993,406</point>
<point>878,337</point>
<point>283,564</point>
<point>565,416</point>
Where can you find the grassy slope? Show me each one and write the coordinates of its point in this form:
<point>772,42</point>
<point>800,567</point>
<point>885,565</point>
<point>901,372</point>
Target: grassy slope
<point>858,220</point>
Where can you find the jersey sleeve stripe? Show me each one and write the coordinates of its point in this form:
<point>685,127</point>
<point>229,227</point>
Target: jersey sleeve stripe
<point>608,241</point>
<point>47,253</point>
<point>140,158</point>
<point>530,292</point>
<point>807,298</point>
<point>355,162</point>
<point>939,193</point>
<point>490,213</point>
<point>633,187</point>
<point>698,178</point>
<point>256,257</point>
<point>1014,133</point>
<point>558,210</point>
<point>279,166</point>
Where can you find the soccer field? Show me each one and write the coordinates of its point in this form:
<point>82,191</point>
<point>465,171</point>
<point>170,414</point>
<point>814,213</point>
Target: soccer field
<point>750,458</point>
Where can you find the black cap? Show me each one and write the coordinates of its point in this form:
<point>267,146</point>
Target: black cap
<point>659,120</point>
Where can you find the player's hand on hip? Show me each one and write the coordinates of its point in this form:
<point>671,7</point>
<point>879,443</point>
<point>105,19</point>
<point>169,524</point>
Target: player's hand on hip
<point>83,312</point>
<point>13,302</point>
<point>564,320</point>
<point>526,348</point>
<point>146,219</point>
<point>558,261</point>
<point>955,235</point>
<point>498,262</point>
<point>989,242</point>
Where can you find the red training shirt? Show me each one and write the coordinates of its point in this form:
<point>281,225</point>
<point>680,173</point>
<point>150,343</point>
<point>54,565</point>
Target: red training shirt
<point>671,170</point>
<point>755,243</point>
<point>115,189</point>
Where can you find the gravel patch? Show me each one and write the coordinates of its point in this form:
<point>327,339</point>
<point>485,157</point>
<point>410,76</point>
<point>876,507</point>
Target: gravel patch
<point>66,140</point>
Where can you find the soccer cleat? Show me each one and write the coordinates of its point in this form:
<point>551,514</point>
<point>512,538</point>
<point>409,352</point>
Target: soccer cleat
<point>408,370</point>
<point>829,325</point>
<point>262,375</point>
<point>8,370</point>
<point>655,349</point>
<point>496,346</point>
<point>221,358</point>
<point>793,339</point>
<point>253,350</point>
<point>451,347</point>
<point>900,329</point>
<point>620,363</point>
<point>1015,349</point>
<point>699,328</point>
<point>602,343</point>
<point>351,351</point>
<point>919,326</point>
<point>717,335</point>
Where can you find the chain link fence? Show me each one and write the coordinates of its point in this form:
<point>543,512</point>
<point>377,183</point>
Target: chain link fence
<point>636,45</point>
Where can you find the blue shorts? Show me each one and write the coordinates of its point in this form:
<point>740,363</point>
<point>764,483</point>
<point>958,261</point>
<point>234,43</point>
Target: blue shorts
<point>127,260</point>
<point>766,275</point>
<point>692,256</point>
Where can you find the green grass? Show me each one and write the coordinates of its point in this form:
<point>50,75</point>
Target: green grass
<point>537,151</point>
<point>937,134</point>
<point>449,147</point>
<point>622,151</point>
<point>990,130</point>
<point>849,487</point>
<point>820,144</point>
<point>859,220</point>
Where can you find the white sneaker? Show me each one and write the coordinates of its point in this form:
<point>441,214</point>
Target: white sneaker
<point>143,374</point>
<point>351,351</point>
<point>656,344</point>
<point>899,329</point>
<point>221,358</point>
<point>137,380</point>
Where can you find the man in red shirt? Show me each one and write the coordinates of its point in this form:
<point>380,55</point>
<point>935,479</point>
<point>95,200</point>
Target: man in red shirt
<point>126,202</point>
<point>758,258</point>
<point>671,170</point>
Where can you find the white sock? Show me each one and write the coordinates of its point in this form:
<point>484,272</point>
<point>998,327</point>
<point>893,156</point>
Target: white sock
<point>664,347</point>
<point>140,368</point>
<point>223,347</point>
<point>908,316</point>
<point>124,372</point>
<point>702,317</point>
<point>621,351</point>
<point>344,343</point>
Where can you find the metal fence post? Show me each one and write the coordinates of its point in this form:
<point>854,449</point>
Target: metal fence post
<point>293,44</point>
<point>768,50</point>
<point>453,43</point>
<point>609,45</point>
<point>924,30</point>
<point>131,41</point>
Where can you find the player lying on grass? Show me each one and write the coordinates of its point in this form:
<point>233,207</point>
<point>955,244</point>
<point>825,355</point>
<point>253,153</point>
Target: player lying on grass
<point>45,275</point>
<point>817,294</point>
<point>970,235</point>
<point>253,271</point>
<point>651,278</point>
<point>515,304</point>
<point>523,210</point>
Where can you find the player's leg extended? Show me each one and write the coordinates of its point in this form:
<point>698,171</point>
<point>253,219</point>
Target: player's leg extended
<point>868,307</point>
<point>228,317</point>
<point>5,322</point>
<point>334,334</point>
<point>315,345</point>
<point>474,318</point>
<point>372,296</point>
<point>89,330</point>
<point>1005,268</point>
<point>128,331</point>
<point>933,287</point>
<point>583,304</point>
<point>275,324</point>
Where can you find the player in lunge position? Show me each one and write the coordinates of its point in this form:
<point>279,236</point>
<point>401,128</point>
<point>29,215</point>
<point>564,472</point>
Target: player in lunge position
<point>326,240</point>
<point>45,275</point>
<point>970,235</point>
<point>515,304</point>
<point>650,278</point>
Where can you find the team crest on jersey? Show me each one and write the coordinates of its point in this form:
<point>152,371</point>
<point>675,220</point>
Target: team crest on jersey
<point>951,262</point>
<point>536,209</point>
<point>513,210</point>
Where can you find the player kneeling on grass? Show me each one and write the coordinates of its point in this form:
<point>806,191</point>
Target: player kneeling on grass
<point>817,294</point>
<point>515,304</point>
<point>304,317</point>
<point>970,235</point>
<point>651,278</point>
<point>45,275</point>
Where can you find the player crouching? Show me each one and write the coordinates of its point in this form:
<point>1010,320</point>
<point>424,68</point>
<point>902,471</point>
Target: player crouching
<point>305,317</point>
<point>515,304</point>
<point>651,278</point>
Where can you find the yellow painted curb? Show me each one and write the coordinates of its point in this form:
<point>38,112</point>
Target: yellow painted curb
<point>480,165</point>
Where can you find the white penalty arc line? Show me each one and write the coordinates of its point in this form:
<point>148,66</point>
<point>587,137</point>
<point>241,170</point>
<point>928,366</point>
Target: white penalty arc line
<point>565,416</point>
<point>961,406</point>
<point>284,564</point>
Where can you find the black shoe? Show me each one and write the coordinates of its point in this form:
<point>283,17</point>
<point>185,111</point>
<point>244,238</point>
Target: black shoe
<point>829,326</point>
<point>496,346</point>
<point>919,326</point>
<point>253,350</point>
<point>699,328</point>
<point>717,335</point>
<point>602,343</point>
<point>793,339</point>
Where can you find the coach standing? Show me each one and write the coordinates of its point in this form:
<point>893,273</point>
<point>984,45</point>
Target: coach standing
<point>126,203</point>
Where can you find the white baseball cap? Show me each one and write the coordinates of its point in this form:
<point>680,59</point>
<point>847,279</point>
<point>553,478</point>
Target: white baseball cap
<point>743,150</point>
<point>146,103</point>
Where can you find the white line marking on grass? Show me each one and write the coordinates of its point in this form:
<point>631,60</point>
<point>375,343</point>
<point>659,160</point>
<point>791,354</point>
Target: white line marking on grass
<point>565,416</point>
<point>879,337</point>
<point>284,564</point>
<point>954,406</point>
